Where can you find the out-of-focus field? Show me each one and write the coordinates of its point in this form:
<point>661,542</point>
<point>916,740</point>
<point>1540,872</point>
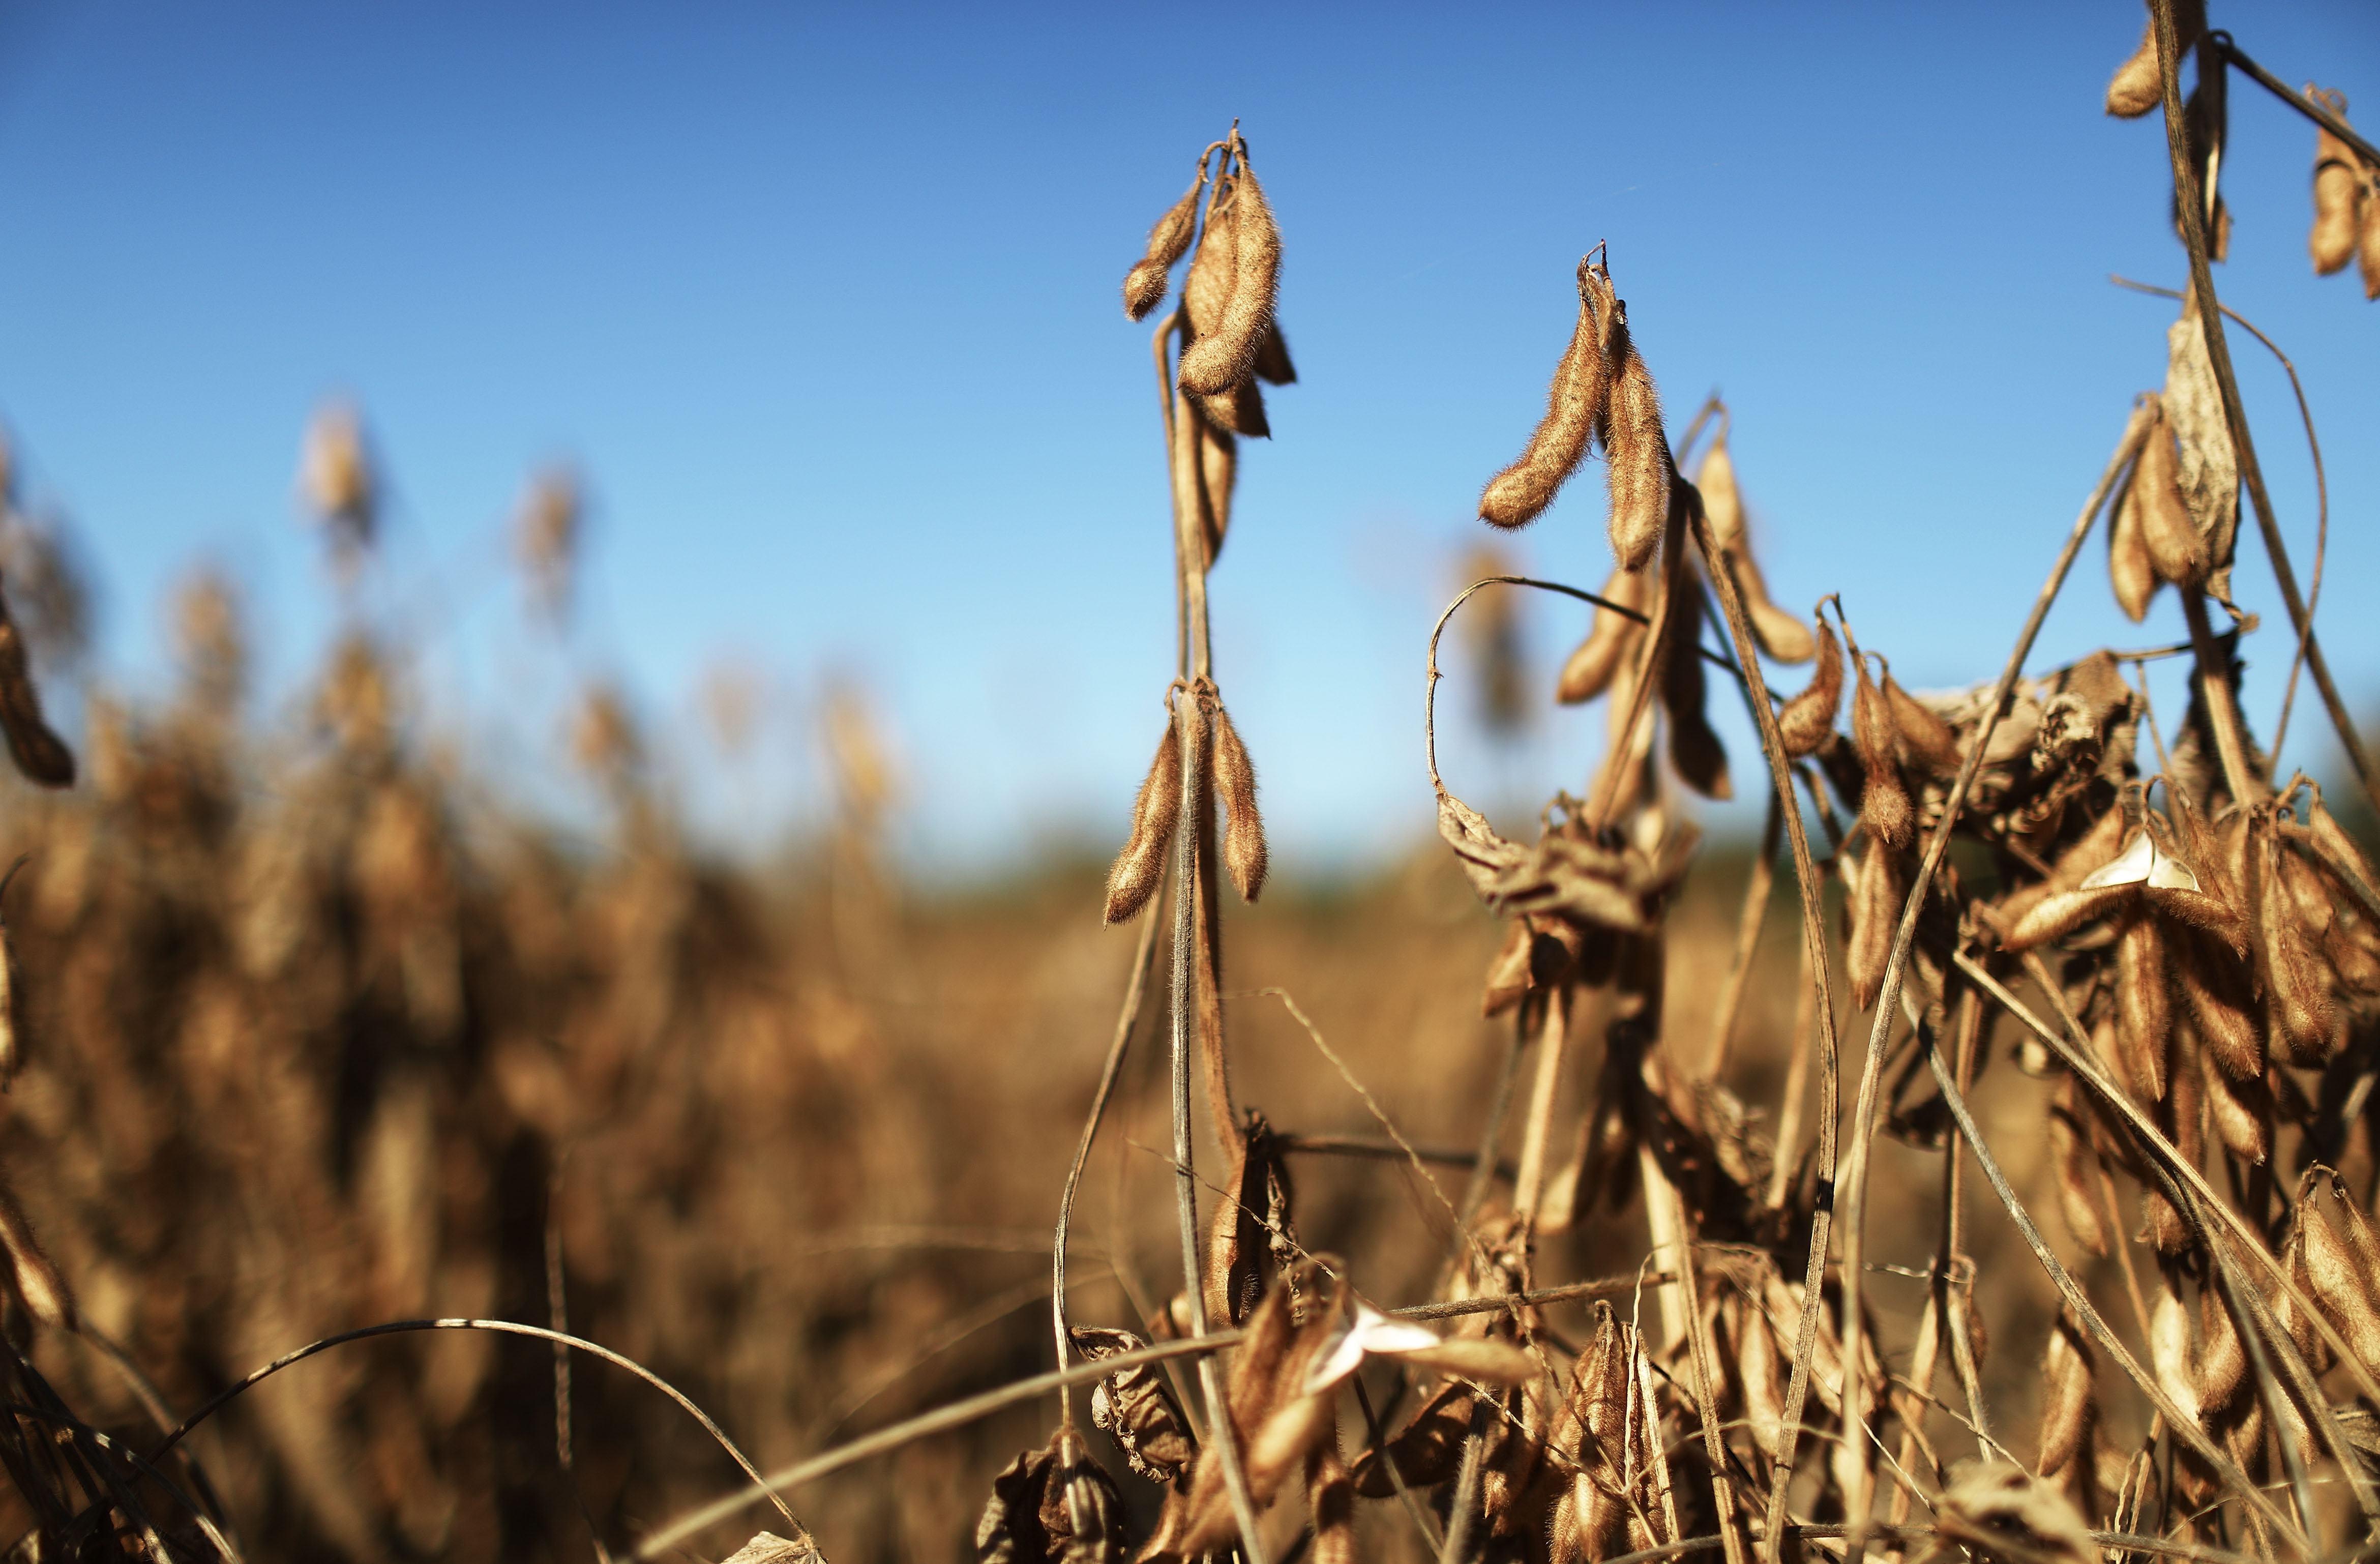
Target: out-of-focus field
<point>317,1038</point>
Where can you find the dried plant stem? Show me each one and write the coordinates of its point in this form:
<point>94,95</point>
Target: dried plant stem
<point>2243,780</point>
<point>1456,1550</point>
<point>2319,113</point>
<point>1382,1149</point>
<point>1143,959</point>
<point>2184,1428</point>
<point>958,1414</point>
<point>83,1431</point>
<point>1706,1380</point>
<point>1797,1084</point>
<point>1607,1286</point>
<point>1376,1437</point>
<point>1938,844</point>
<point>1757,889</point>
<point>1222,1439</point>
<point>2218,354</point>
<point>1814,946</point>
<point>1661,627</point>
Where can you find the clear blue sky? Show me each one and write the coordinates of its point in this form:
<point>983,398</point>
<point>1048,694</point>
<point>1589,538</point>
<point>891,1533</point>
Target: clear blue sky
<point>823,303</point>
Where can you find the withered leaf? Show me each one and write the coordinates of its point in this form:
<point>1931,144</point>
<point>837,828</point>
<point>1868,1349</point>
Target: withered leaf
<point>1136,1406</point>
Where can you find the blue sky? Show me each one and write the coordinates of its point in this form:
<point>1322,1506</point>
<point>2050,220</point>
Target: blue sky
<point>823,302</point>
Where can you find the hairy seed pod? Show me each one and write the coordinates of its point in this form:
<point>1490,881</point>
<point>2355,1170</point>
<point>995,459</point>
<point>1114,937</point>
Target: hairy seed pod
<point>2138,85</point>
<point>2169,1345</point>
<point>2337,1281</point>
<point>40,754</point>
<point>1273,366</point>
<point>2130,569</point>
<point>1872,908</point>
<point>1218,473</point>
<point>2337,845</point>
<point>1520,493</point>
<point>1236,784</point>
<point>2071,1151</point>
<point>1636,451</point>
<point>36,1281</point>
<point>1884,802</point>
<point>1612,640</point>
<point>2242,1111</point>
<point>2306,1018</point>
<point>1144,285</point>
<point>1155,812</point>
<point>2176,550</point>
<point>1226,353</point>
<point>2367,245</point>
<point>1695,749</point>
<point>2070,1413</point>
<point>1207,288</point>
<point>2143,1004</point>
<point>1923,739</point>
<point>2222,1363</point>
<point>2214,983</point>
<point>2362,1241</point>
<point>2062,912</point>
<point>2338,194</point>
<point>1806,722</point>
<point>2183,1116</point>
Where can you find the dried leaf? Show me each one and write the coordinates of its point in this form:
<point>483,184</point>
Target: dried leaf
<point>2208,471</point>
<point>1136,1407</point>
<point>767,1547</point>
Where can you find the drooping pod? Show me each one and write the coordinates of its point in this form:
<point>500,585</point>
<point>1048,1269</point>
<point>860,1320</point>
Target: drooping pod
<point>1610,642</point>
<point>1884,802</point>
<point>1145,284</point>
<point>2175,551</point>
<point>1225,353</point>
<point>1806,722</point>
<point>1520,493</point>
<point>1871,908</point>
<point>1636,452</point>
<point>1219,472</point>
<point>1156,811</point>
<point>2144,1005</point>
<point>2338,194</point>
<point>1923,739</point>
<point>2070,1414</point>
<point>1235,785</point>
<point>40,754</point>
<point>1781,635</point>
<point>2138,85</point>
<point>1694,748</point>
<point>2130,569</point>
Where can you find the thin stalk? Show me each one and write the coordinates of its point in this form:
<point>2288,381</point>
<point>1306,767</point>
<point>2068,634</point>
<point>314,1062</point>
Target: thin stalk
<point>2241,778</point>
<point>1457,1547</point>
<point>1747,944</point>
<point>1730,1524</point>
<point>2319,113</point>
<point>1189,723</point>
<point>2219,353</point>
<point>1814,947</point>
<point>1937,845</point>
<point>1553,1027</point>
<point>1143,959</point>
<point>1797,1087</point>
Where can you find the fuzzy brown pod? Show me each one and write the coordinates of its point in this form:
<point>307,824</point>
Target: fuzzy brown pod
<point>2367,243</point>
<point>1253,1218</point>
<point>2306,1019</point>
<point>1998,1511</point>
<point>1272,366</point>
<point>1329,1507</point>
<point>2169,1343</point>
<point>1923,739</point>
<point>1136,1407</point>
<point>1520,493</point>
<point>2070,1414</point>
<point>1638,468</point>
<point>2216,984</point>
<point>2183,1117</point>
<point>2175,551</point>
<point>1225,353</point>
<point>2071,1152</point>
<point>1781,635</point>
<point>2222,1362</point>
<point>1053,1506</point>
<point>1235,785</point>
<point>2062,912</point>
<point>1807,719</point>
<point>1884,802</point>
<point>2207,470</point>
<point>2338,191</point>
<point>2130,571</point>
<point>1592,1520</point>
<point>2343,1286</point>
<point>1695,748</point>
<point>1871,916</point>
<point>1155,810</point>
<point>1219,475</point>
<point>1610,642</point>
<point>1145,284</point>
<point>2241,1109</point>
<point>2143,1004</point>
<point>41,755</point>
<point>34,1282</point>
<point>2138,85</point>
<point>767,1547</point>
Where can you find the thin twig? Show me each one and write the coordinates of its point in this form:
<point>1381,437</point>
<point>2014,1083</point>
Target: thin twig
<point>1381,1149</point>
<point>2319,113</point>
<point>1762,881</point>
